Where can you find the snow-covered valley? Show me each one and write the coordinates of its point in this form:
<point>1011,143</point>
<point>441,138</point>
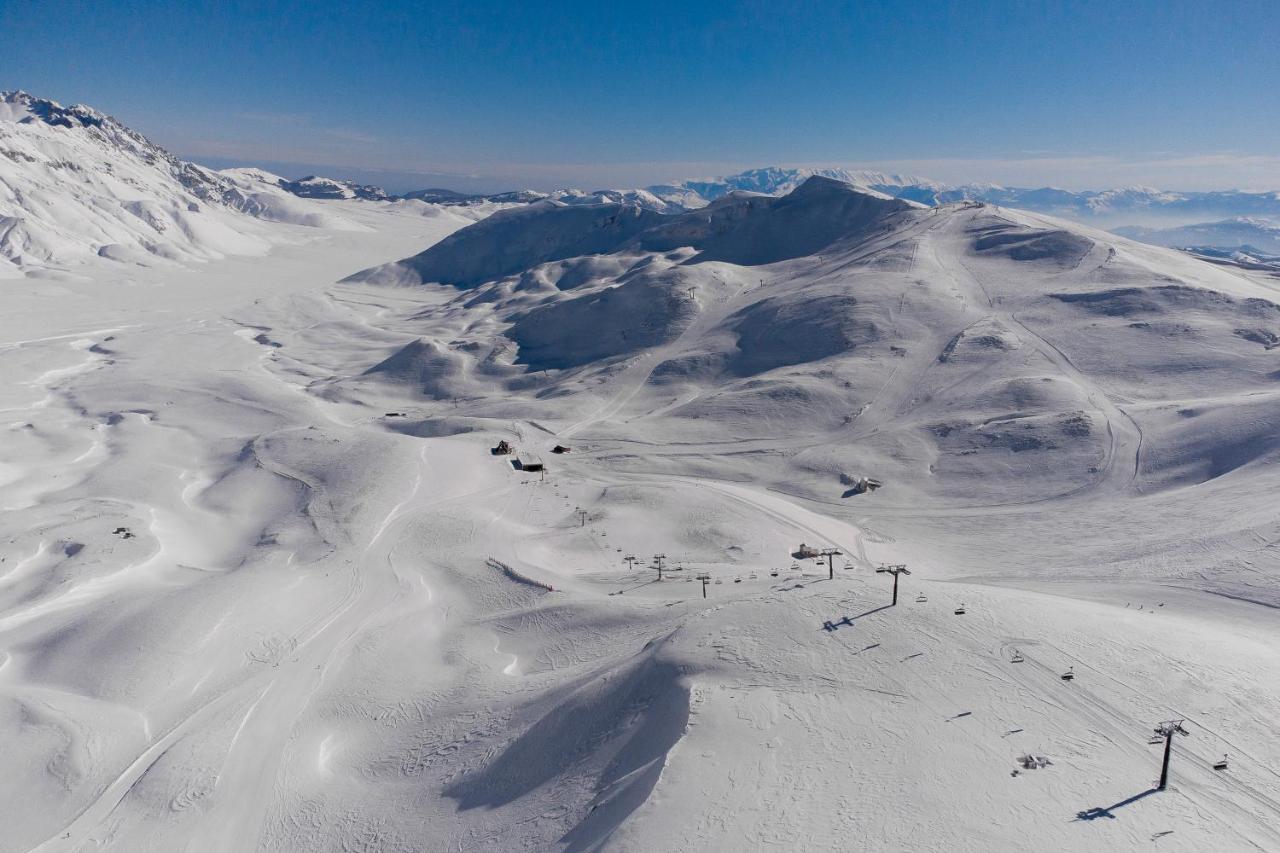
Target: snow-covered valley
<point>265,586</point>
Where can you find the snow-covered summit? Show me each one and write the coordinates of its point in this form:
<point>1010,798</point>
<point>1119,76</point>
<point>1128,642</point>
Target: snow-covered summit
<point>76,183</point>
<point>773,180</point>
<point>314,186</point>
<point>740,227</point>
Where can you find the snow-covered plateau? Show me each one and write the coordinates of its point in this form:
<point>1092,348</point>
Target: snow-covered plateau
<point>265,583</point>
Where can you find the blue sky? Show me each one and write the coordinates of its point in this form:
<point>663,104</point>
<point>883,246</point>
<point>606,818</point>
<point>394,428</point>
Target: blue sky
<point>500,94</point>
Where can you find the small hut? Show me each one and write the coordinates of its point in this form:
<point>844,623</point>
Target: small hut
<point>865,485</point>
<point>503,448</point>
<point>560,448</point>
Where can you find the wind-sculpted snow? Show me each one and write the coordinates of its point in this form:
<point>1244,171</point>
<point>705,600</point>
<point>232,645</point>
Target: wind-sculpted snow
<point>609,734</point>
<point>780,332</point>
<point>641,312</point>
<point>1020,244</point>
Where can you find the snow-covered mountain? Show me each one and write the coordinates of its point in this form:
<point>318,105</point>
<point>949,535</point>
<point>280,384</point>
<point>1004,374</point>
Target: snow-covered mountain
<point>639,198</point>
<point>75,183</point>
<point>314,186</point>
<point>773,180</point>
<point>828,293</point>
<point>266,584</point>
<point>1260,234</point>
<point>1110,206</point>
<point>743,227</point>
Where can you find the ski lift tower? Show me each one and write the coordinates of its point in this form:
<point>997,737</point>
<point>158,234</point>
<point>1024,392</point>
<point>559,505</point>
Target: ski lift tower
<point>895,571</point>
<point>830,554</point>
<point>1167,730</point>
<point>657,563</point>
<point>705,578</point>
<point>630,561</point>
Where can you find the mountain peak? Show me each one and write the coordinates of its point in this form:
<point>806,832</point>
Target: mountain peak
<point>78,183</point>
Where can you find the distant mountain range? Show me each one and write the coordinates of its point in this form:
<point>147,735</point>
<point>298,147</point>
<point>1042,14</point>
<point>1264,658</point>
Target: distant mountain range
<point>1237,233</point>
<point>1105,207</point>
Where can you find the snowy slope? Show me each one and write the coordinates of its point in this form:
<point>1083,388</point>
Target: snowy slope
<point>265,587</point>
<point>76,184</point>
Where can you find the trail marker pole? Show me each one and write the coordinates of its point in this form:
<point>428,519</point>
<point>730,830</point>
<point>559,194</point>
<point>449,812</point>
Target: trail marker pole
<point>830,554</point>
<point>1167,730</point>
<point>895,571</point>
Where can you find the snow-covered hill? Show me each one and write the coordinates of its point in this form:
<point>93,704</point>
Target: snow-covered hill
<point>77,184</point>
<point>811,301</point>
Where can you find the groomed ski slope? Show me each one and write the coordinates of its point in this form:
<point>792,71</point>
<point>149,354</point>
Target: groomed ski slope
<point>295,641</point>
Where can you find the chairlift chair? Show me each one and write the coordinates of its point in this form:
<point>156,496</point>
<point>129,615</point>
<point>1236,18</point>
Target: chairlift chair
<point>1017,657</point>
<point>921,598</point>
<point>1220,764</point>
<point>960,610</point>
<point>1069,675</point>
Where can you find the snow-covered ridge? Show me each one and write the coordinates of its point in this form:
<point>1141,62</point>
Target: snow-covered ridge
<point>76,184</point>
<point>742,228</point>
<point>1225,234</point>
<point>1108,205</point>
<point>314,186</point>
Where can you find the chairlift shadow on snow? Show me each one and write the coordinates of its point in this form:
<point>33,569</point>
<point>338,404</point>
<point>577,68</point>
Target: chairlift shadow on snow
<point>1098,811</point>
<point>830,626</point>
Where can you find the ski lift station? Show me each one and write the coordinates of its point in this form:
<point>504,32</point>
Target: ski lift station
<point>531,462</point>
